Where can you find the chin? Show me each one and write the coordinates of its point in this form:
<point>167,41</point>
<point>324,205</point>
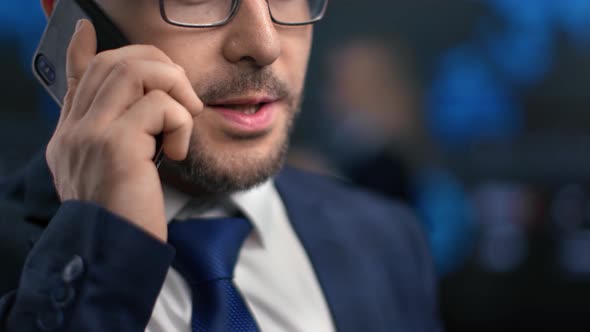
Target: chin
<point>217,168</point>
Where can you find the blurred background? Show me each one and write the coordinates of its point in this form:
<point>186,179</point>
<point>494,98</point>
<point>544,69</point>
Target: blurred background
<point>474,112</point>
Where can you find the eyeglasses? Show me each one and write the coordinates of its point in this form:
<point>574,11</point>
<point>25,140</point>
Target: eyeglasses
<point>213,13</point>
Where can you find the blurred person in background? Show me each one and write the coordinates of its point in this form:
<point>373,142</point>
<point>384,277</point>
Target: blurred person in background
<point>374,134</point>
<point>309,253</point>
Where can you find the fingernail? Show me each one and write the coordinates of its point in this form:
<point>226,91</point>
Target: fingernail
<point>79,24</point>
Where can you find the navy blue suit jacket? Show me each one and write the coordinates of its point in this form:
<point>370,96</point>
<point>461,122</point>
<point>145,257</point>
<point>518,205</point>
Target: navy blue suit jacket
<point>76,267</point>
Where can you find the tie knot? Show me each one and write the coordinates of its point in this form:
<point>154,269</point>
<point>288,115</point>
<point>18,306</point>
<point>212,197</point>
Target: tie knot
<point>207,249</point>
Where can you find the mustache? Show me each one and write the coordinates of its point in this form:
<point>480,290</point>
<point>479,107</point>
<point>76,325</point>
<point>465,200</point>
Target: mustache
<point>242,83</point>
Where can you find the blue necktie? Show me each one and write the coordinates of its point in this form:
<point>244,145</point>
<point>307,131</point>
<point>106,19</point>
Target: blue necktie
<point>206,254</point>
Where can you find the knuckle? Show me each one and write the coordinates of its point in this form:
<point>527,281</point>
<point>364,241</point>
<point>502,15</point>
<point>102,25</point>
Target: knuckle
<point>180,70</point>
<point>102,59</point>
<point>152,49</point>
<point>179,119</point>
<point>123,68</point>
<point>61,144</point>
<point>105,56</point>
<point>156,52</point>
<point>59,141</point>
<point>158,96</point>
<point>62,141</point>
<point>100,63</point>
<point>70,94</point>
<point>185,117</point>
<point>50,151</point>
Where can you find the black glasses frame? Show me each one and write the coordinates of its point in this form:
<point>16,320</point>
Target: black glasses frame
<point>234,9</point>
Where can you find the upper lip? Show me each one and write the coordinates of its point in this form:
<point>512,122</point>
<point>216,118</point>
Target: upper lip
<point>251,100</point>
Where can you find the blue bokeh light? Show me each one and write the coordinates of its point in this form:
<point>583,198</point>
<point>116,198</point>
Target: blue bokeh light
<point>471,95</point>
<point>468,101</point>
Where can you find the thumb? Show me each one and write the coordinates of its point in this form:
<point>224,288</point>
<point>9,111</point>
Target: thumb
<point>81,51</point>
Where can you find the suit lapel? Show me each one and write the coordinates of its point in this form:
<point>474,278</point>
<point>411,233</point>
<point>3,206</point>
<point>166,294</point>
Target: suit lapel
<point>330,249</point>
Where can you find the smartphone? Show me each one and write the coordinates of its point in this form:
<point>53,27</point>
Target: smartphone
<point>49,61</point>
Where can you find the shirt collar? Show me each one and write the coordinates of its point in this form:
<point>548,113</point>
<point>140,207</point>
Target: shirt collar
<point>174,201</point>
<point>256,204</point>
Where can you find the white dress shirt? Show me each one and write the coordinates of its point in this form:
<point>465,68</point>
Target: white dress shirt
<point>273,272</point>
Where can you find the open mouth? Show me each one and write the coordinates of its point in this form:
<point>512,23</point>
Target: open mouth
<point>248,109</point>
<point>247,116</point>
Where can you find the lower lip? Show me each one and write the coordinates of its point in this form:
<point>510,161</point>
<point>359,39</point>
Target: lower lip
<point>250,123</point>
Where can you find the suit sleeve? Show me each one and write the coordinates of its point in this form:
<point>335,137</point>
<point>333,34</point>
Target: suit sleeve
<point>90,271</point>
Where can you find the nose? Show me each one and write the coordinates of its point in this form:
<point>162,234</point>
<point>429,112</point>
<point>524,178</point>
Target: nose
<point>252,38</point>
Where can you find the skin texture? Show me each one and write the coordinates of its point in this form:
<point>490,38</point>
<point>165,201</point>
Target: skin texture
<point>168,81</point>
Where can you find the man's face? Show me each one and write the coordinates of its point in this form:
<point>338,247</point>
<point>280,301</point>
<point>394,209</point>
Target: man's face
<point>248,61</point>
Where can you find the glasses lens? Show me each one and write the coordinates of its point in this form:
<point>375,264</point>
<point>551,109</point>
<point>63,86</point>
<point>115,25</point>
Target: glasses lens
<point>197,12</point>
<point>297,11</point>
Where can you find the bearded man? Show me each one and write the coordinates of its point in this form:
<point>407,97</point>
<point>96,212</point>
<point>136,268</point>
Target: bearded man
<point>221,237</point>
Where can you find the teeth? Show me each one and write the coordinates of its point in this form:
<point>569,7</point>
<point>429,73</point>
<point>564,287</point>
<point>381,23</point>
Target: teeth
<point>246,109</point>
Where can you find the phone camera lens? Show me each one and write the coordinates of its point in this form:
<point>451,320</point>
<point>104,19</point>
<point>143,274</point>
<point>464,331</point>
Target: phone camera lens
<point>45,69</point>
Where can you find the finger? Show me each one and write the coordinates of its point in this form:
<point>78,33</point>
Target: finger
<point>130,81</point>
<point>102,65</point>
<point>81,51</point>
<point>157,113</point>
<point>65,110</point>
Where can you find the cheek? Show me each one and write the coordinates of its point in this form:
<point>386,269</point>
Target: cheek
<point>200,57</point>
<point>295,51</point>
<point>190,48</point>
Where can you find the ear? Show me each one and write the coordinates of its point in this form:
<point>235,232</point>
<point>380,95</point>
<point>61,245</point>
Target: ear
<point>47,6</point>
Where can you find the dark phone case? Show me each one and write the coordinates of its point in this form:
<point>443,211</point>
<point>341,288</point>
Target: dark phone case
<point>56,39</point>
<point>57,36</point>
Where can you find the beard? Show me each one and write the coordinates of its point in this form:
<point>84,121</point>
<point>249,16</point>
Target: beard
<point>212,173</point>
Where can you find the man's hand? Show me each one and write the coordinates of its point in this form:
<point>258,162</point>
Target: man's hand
<point>103,146</point>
